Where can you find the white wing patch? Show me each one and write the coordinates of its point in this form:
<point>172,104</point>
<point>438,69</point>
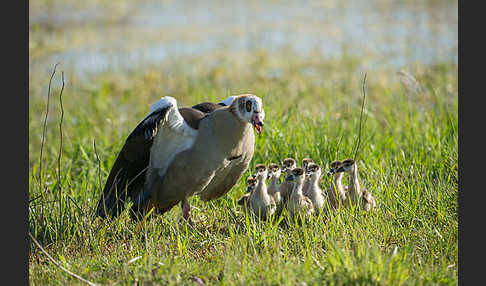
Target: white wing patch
<point>228,101</point>
<point>174,136</point>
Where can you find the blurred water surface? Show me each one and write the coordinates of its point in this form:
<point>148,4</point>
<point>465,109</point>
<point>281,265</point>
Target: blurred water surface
<point>98,35</point>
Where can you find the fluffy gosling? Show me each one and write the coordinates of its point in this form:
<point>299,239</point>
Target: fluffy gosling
<point>260,202</point>
<point>297,202</point>
<point>274,173</point>
<point>314,192</point>
<point>286,187</point>
<point>354,188</point>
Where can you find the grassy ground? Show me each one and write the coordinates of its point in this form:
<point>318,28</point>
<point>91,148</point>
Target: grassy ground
<point>408,159</point>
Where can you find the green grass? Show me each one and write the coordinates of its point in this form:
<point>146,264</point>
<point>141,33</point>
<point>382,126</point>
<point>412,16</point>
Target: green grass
<point>408,159</point>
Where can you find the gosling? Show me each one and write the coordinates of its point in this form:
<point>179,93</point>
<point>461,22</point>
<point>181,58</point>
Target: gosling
<point>260,202</point>
<point>274,173</point>
<point>314,192</point>
<point>297,202</point>
<point>354,188</point>
<point>286,187</point>
<point>305,164</point>
<point>251,183</point>
<point>336,193</point>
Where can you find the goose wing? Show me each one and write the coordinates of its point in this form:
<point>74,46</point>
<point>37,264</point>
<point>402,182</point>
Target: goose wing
<point>133,164</point>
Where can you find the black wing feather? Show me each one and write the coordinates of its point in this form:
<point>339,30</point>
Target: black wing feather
<point>207,107</point>
<point>127,175</point>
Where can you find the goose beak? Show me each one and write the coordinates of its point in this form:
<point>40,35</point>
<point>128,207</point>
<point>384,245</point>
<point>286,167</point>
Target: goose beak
<point>257,122</point>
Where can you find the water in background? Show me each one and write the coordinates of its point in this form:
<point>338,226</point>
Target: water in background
<point>387,33</point>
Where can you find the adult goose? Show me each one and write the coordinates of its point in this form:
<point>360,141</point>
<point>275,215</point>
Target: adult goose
<point>176,153</point>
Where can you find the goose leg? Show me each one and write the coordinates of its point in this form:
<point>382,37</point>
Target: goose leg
<point>186,211</point>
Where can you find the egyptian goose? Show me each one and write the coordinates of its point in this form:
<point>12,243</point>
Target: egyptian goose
<point>260,203</point>
<point>336,193</point>
<point>297,202</point>
<point>305,164</point>
<point>274,173</point>
<point>251,183</point>
<point>174,154</point>
<point>286,186</point>
<point>314,192</point>
<point>354,188</point>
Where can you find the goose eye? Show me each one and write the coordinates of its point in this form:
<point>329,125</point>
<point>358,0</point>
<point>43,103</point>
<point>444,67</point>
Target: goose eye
<point>248,106</point>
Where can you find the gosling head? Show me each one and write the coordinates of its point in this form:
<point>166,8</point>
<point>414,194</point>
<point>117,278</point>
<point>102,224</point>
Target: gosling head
<point>288,165</point>
<point>251,183</point>
<point>347,166</point>
<point>297,175</point>
<point>306,162</point>
<point>274,171</point>
<point>261,172</point>
<point>335,165</point>
<point>314,171</point>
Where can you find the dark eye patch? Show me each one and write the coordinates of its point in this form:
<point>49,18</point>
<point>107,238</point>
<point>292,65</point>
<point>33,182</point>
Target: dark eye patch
<point>248,106</point>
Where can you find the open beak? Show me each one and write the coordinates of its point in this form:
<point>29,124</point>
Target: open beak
<point>257,122</point>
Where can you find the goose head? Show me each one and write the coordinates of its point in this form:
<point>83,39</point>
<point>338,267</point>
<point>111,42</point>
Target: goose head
<point>288,165</point>
<point>297,175</point>
<point>249,108</point>
<point>274,171</point>
<point>306,162</point>
<point>335,165</point>
<point>313,170</point>
<point>261,172</point>
<point>347,166</point>
<point>251,183</point>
